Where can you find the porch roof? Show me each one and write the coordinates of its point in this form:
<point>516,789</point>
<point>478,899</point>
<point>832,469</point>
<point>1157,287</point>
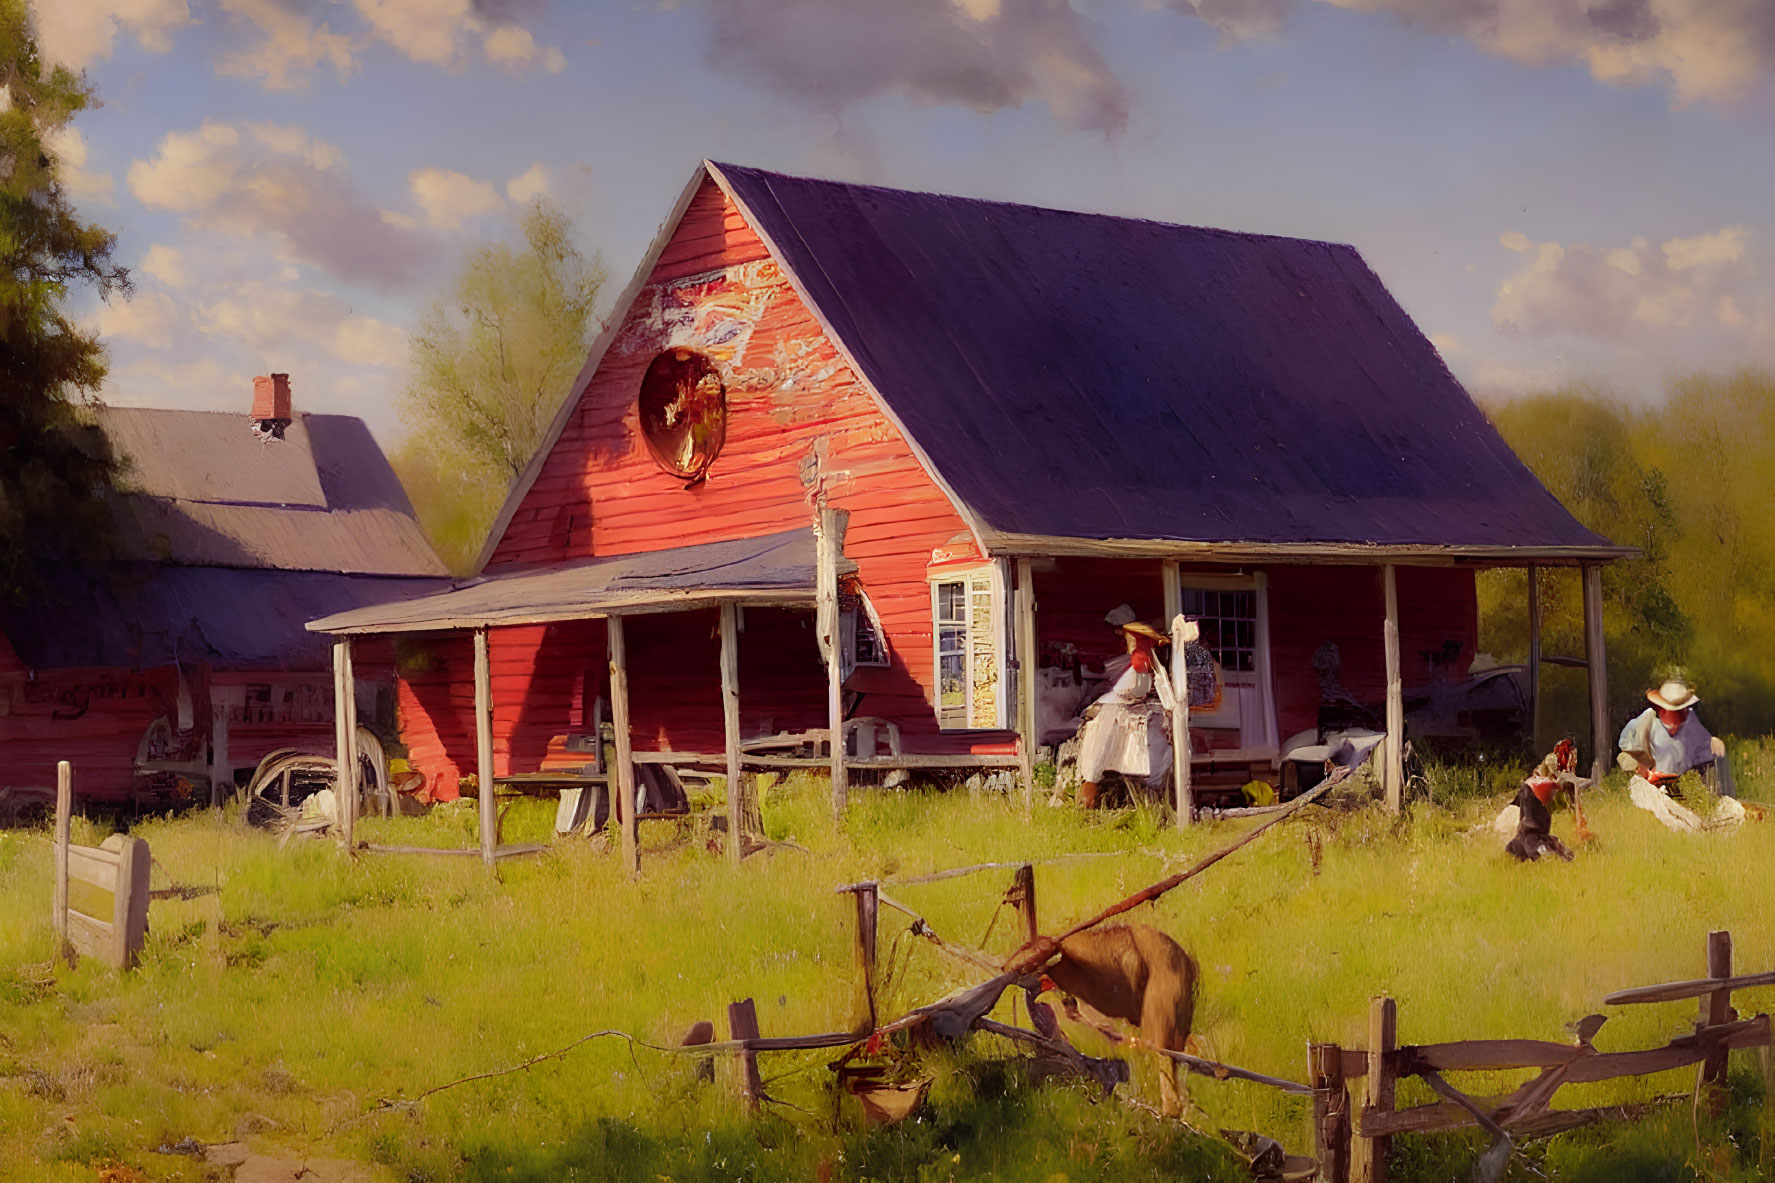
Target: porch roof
<point>775,569</point>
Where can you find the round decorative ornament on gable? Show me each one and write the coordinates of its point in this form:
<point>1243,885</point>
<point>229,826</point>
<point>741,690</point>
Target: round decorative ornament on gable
<point>684,412</point>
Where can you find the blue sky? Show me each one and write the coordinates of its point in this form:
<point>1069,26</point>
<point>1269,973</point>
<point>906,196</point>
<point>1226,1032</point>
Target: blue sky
<point>1555,189</point>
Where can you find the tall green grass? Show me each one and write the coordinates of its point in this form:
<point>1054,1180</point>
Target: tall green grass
<point>302,1004</point>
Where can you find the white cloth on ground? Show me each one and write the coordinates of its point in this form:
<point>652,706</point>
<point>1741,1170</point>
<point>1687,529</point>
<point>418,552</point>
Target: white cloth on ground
<point>1679,817</point>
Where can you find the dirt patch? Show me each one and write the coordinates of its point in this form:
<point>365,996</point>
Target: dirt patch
<point>247,1167</point>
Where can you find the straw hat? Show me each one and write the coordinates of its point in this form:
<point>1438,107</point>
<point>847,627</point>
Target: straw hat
<point>1674,695</point>
<point>1142,629</point>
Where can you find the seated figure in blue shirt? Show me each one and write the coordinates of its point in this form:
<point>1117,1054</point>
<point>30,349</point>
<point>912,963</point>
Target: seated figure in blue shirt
<point>1667,740</point>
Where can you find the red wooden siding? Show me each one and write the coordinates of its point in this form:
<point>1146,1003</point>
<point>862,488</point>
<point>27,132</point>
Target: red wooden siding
<point>93,718</point>
<point>1312,605</point>
<point>792,403</point>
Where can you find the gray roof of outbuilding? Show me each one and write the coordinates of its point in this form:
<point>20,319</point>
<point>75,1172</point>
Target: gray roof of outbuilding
<point>200,489</point>
<point>1079,376</point>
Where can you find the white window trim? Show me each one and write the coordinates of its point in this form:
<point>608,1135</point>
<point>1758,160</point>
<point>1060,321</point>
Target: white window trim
<point>847,632</point>
<point>998,572</point>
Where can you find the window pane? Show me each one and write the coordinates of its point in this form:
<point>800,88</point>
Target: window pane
<point>951,688</point>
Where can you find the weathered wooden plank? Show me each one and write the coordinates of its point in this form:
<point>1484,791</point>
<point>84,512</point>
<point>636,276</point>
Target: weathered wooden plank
<point>1595,652</point>
<point>1694,988</point>
<point>1331,1112</point>
<point>1025,658</point>
<point>92,865</point>
<point>1716,1011</point>
<point>1679,1053</point>
<point>742,1027</point>
<point>88,935</point>
<point>129,916</point>
<point>830,535</point>
<point>1368,1161</point>
<point>1472,1055</point>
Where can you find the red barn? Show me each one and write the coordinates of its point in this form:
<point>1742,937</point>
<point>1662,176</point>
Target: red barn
<point>1010,420</point>
<point>182,659</point>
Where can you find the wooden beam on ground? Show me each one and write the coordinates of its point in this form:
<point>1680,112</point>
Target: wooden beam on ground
<point>730,715</point>
<point>624,796</point>
<point>829,536</point>
<point>1534,657</point>
<point>1026,671</point>
<point>1393,765</point>
<point>489,818</point>
<point>64,817</point>
<point>1594,652</point>
<point>1369,1162</point>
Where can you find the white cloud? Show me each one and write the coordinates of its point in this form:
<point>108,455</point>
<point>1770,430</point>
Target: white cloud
<point>1723,246</point>
<point>1636,295</point>
<point>985,55</point>
<point>290,44</point>
<point>513,48</point>
<point>166,264</point>
<point>1704,50</point>
<point>148,317</point>
<point>449,198</point>
<point>530,184</point>
<point>277,183</point>
<point>68,146</point>
<point>77,33</point>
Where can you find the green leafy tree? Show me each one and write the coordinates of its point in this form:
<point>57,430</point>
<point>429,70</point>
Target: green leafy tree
<point>53,461</point>
<point>1691,482</point>
<point>491,361</point>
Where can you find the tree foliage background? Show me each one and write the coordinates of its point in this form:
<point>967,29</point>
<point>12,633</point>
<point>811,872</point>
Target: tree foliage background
<point>491,361</point>
<point>1690,481</point>
<point>53,460</point>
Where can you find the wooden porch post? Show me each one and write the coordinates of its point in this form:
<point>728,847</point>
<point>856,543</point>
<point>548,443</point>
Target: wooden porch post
<point>1026,736</point>
<point>1393,773</point>
<point>1185,803</point>
<point>484,747</point>
<point>730,711</point>
<point>1534,657</point>
<point>621,779</point>
<point>221,772</point>
<point>344,739</point>
<point>1597,661</point>
<point>830,541</point>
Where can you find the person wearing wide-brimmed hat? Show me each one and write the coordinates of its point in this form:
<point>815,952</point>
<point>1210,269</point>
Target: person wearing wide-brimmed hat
<point>1665,741</point>
<point>1125,729</point>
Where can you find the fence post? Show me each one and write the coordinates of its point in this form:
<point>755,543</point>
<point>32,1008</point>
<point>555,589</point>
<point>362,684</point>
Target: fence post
<point>742,1023</point>
<point>1370,1158</point>
<point>1716,1008</point>
<point>64,813</point>
<point>1023,897</point>
<point>129,907</point>
<point>1331,1112</point>
<point>867,896</point>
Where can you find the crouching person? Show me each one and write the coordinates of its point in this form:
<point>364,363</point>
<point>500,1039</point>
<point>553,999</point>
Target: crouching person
<point>1664,742</point>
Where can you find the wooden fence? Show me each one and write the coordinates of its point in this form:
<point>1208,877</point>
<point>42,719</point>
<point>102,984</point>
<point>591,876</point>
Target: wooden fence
<point>118,868</point>
<point>1354,1112</point>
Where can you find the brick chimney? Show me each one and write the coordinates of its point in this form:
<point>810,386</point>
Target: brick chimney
<point>271,404</point>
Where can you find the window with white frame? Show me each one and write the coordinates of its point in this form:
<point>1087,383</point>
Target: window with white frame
<point>1229,624</point>
<point>968,620</point>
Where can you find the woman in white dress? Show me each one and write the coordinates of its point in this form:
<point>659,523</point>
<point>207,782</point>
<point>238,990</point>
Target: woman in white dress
<point>1128,728</point>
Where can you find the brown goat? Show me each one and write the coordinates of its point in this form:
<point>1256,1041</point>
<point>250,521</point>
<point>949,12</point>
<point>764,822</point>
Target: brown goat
<point>1138,974</point>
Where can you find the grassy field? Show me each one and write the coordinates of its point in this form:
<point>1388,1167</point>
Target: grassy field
<point>292,1005</point>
